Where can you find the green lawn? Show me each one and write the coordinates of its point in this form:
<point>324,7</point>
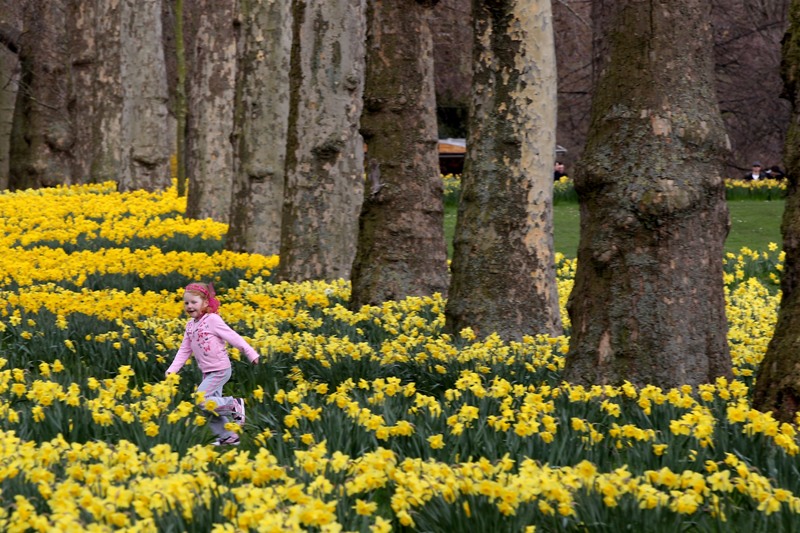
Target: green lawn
<point>754,223</point>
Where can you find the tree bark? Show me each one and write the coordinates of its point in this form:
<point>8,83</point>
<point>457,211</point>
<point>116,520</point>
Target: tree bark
<point>503,269</point>
<point>648,303</point>
<point>261,118</point>
<point>325,152</point>
<point>181,103</point>
<point>82,95</point>
<point>10,28</point>
<point>777,386</point>
<point>41,134</point>
<point>401,248</point>
<point>107,159</point>
<point>210,120</point>
<point>146,146</point>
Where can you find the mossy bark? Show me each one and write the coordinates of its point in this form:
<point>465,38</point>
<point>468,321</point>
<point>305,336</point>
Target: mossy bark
<point>261,116</point>
<point>777,386</point>
<point>503,269</point>
<point>648,302</point>
<point>325,152</point>
<point>401,247</point>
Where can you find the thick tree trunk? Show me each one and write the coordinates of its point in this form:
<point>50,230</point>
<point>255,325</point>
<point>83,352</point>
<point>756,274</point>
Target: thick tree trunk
<point>503,266</point>
<point>777,386</point>
<point>146,146</point>
<point>210,122</point>
<point>42,135</point>
<point>325,153</point>
<point>648,305</point>
<point>401,247</point>
<point>261,118</point>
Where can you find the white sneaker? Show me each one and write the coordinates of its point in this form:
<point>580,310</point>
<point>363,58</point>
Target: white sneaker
<point>238,411</point>
<point>230,440</point>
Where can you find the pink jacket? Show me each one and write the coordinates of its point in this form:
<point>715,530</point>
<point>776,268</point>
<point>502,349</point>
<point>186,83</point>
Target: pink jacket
<point>206,338</point>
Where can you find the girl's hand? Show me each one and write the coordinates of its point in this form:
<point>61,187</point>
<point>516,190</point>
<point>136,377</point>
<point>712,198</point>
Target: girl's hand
<point>255,361</point>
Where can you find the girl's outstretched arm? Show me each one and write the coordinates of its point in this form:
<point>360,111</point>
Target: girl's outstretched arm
<point>218,327</point>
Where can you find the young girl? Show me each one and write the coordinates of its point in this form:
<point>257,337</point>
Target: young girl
<point>205,337</point>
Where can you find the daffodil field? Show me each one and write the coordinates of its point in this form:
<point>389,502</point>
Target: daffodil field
<point>356,421</point>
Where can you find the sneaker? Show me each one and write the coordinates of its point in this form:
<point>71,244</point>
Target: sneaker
<point>238,411</point>
<point>230,440</point>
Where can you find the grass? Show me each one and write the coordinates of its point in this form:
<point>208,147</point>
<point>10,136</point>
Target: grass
<point>754,224</point>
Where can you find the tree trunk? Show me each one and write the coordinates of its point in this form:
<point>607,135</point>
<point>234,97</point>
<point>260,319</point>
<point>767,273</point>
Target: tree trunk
<point>181,106</point>
<point>648,304</point>
<point>10,29</point>
<point>210,120</point>
<point>107,160</point>
<point>777,386</point>
<point>261,117</point>
<point>401,248</point>
<point>82,96</point>
<point>42,135</point>
<point>503,265</point>
<point>146,146</point>
<point>325,153</point>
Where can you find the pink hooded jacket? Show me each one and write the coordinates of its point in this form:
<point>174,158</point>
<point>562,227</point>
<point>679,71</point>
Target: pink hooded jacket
<point>206,338</point>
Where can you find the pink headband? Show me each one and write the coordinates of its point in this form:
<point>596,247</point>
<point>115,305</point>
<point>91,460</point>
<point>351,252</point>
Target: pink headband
<point>208,292</point>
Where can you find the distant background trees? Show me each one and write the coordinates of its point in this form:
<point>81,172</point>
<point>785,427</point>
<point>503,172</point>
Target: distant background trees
<point>747,38</point>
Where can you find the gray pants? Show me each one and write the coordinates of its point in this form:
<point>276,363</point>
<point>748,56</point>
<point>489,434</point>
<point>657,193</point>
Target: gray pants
<point>212,387</point>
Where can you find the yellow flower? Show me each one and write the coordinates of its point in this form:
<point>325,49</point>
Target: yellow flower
<point>258,393</point>
<point>436,441</point>
<point>38,413</point>
<point>381,526</point>
<point>365,508</point>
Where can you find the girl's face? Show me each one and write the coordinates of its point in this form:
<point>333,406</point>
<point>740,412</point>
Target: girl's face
<point>194,304</point>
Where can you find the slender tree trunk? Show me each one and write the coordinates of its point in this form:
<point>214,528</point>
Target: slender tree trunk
<point>11,27</point>
<point>325,153</point>
<point>82,103</point>
<point>146,146</point>
<point>107,159</point>
<point>503,266</point>
<point>777,386</point>
<point>260,126</point>
<point>210,124</point>
<point>180,100</point>
<point>401,248</point>
<point>648,304</point>
<point>42,136</point>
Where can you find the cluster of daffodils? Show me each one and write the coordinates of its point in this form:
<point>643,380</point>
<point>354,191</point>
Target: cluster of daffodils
<point>358,420</point>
